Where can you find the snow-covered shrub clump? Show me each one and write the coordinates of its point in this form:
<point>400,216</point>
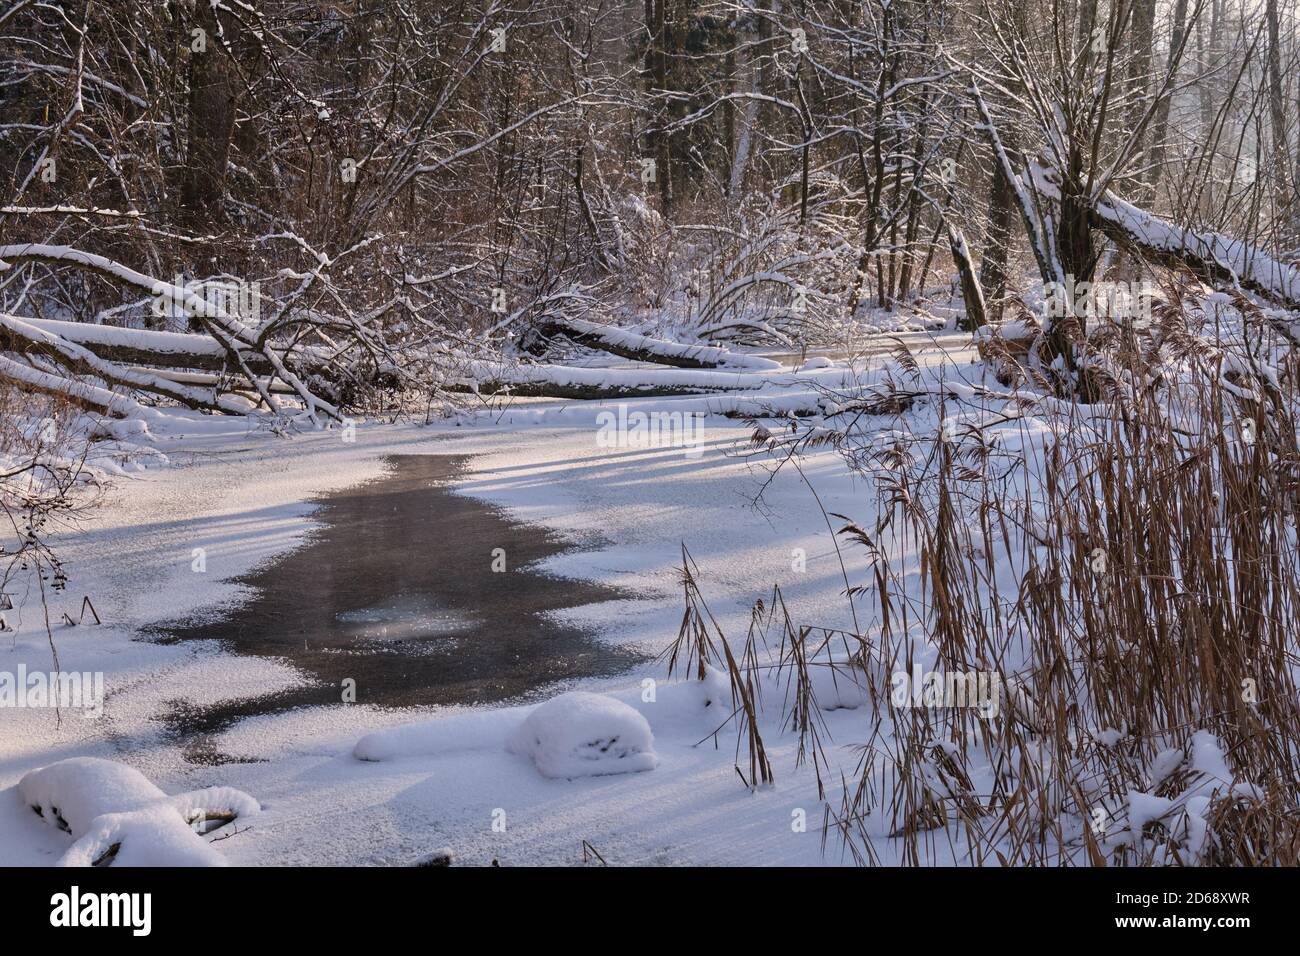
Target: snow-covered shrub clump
<point>585,735</point>
<point>116,815</point>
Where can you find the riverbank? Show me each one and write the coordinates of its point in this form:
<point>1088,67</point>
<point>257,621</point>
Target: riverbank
<point>246,498</point>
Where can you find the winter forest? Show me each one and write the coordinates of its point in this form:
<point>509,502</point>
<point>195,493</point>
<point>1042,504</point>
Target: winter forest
<point>671,432</point>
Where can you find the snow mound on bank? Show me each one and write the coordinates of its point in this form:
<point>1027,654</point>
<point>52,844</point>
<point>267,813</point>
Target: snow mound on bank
<point>585,735</point>
<point>115,814</point>
<point>686,707</point>
<point>153,836</point>
<point>224,800</point>
<point>70,794</point>
<point>432,738</point>
<point>838,685</point>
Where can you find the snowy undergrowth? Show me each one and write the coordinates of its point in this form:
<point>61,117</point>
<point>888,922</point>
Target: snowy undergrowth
<point>55,461</point>
<point>1122,574</point>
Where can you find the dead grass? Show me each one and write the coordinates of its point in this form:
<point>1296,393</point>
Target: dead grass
<point>1132,581</point>
<point>44,484</point>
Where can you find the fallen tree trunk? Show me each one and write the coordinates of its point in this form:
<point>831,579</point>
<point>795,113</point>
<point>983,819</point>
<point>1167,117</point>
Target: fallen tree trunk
<point>226,329</point>
<point>1217,259</point>
<point>79,360</point>
<point>229,383</point>
<point>562,381</point>
<point>81,394</point>
<point>586,393</point>
<point>140,347</point>
<point>643,348</point>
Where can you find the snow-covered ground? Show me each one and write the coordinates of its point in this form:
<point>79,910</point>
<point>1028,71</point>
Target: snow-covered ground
<point>473,783</point>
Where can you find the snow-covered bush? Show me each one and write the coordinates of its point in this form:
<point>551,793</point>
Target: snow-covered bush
<point>771,276</point>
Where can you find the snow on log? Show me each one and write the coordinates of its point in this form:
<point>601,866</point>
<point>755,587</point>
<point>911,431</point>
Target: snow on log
<point>82,361</point>
<point>576,391</point>
<point>228,330</point>
<point>143,347</point>
<point>187,299</point>
<point>232,383</point>
<point>563,381</point>
<point>1219,259</point>
<point>643,348</point>
<point>116,815</point>
<point>585,735</point>
<point>1216,258</point>
<point>80,393</point>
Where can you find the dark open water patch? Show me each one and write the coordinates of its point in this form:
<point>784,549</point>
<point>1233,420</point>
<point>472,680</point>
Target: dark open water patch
<point>395,590</point>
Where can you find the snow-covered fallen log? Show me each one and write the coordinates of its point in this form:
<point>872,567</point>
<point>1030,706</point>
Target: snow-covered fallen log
<point>566,381</point>
<point>1216,258</point>
<point>227,330</point>
<point>81,361</point>
<point>143,347</point>
<point>117,816</point>
<point>237,383</point>
<point>82,394</point>
<point>1213,256</point>
<point>643,348</point>
<point>572,390</point>
<point>563,381</point>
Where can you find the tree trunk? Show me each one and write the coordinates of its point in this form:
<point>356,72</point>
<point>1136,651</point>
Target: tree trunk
<point>214,91</point>
<point>993,268</point>
<point>971,293</point>
<point>1277,109</point>
<point>1160,121</point>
